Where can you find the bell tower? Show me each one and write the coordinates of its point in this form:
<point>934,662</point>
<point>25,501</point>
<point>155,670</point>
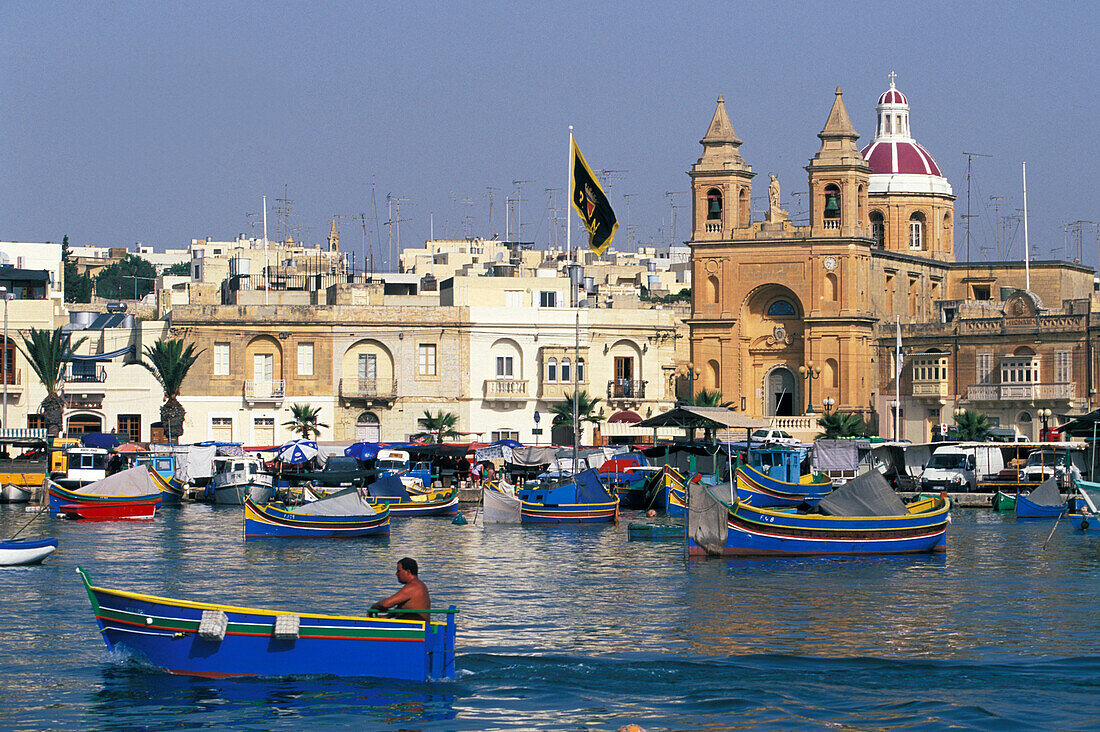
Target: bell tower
<point>333,238</point>
<point>721,182</point>
<point>839,179</point>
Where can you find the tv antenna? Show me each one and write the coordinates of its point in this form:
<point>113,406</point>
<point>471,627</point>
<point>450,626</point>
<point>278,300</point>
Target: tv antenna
<point>999,231</point>
<point>553,220</point>
<point>631,230</point>
<point>393,225</point>
<point>283,208</point>
<point>608,177</point>
<point>492,192</point>
<point>519,206</point>
<point>966,219</point>
<point>672,213</point>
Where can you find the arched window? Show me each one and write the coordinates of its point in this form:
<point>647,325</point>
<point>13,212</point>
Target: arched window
<point>878,228</point>
<point>916,231</point>
<point>712,289</point>
<point>552,369</point>
<point>714,205</point>
<point>781,309</point>
<point>565,370</point>
<point>832,207</point>
<point>580,369</point>
<point>743,212</point>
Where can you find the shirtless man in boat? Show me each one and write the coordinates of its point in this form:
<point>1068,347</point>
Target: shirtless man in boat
<point>413,596</point>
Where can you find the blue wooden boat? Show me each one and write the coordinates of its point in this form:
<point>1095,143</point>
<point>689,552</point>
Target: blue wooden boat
<point>215,641</point>
<point>579,499</point>
<point>863,517</point>
<point>1083,512</point>
<point>345,513</point>
<point>1045,502</point>
<point>403,500</point>
<point>627,476</point>
<point>673,489</point>
<point>774,477</point>
<point>26,551</point>
<point>162,471</point>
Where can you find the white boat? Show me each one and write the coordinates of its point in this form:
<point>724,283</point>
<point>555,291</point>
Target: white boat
<point>31,551</point>
<point>11,493</point>
<point>85,465</point>
<point>238,477</point>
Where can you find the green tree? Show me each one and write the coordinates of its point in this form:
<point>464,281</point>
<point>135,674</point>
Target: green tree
<point>586,406</point>
<point>438,426</point>
<point>169,362</point>
<point>47,352</point>
<point>972,426</point>
<point>305,421</point>
<point>840,424</point>
<point>77,287</point>
<point>129,278</point>
<point>179,268</point>
<point>706,398</point>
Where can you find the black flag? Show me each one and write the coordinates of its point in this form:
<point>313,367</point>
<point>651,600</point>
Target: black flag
<point>592,205</point>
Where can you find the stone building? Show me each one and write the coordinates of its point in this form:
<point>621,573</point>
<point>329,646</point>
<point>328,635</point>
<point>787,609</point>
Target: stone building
<point>784,315</point>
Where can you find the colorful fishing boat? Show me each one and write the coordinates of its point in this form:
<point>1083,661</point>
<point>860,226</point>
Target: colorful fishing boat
<point>215,641</point>
<point>773,477</point>
<point>110,510</point>
<point>578,499</point>
<point>406,500</point>
<point>27,551</point>
<point>1083,513</point>
<point>1003,501</point>
<point>1045,502</point>
<point>345,513</point>
<point>131,492</point>
<point>862,517</point>
<point>627,476</point>
<point>672,491</point>
<point>162,470</point>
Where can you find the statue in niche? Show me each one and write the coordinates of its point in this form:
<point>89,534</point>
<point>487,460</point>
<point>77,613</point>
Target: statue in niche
<point>775,213</point>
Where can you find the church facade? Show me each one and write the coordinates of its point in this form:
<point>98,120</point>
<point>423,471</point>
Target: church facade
<point>788,320</point>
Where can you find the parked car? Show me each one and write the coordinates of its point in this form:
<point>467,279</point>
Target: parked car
<point>777,437</point>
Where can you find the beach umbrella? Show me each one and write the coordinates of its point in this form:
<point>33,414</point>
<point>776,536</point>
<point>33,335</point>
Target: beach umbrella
<point>103,440</point>
<point>297,452</point>
<point>129,447</point>
<point>363,450</point>
<point>508,443</point>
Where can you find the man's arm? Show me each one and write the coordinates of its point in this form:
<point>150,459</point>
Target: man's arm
<point>397,598</point>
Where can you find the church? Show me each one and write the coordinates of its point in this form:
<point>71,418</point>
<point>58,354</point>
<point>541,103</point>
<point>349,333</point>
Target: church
<point>792,320</point>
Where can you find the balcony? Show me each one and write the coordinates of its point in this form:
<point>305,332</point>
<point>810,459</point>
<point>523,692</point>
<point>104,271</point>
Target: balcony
<point>1027,392</point>
<point>264,391</point>
<point>933,389</point>
<point>625,389</point>
<point>85,376</point>
<point>369,389</point>
<point>832,223</point>
<point>505,389</point>
<point>714,228</point>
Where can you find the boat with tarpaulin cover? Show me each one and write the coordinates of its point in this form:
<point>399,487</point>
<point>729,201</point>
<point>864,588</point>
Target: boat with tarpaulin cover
<point>862,517</point>
<point>162,470</point>
<point>345,513</point>
<point>774,477</point>
<point>1045,502</point>
<point>213,640</point>
<point>129,494</point>
<point>580,498</point>
<point>405,500</point>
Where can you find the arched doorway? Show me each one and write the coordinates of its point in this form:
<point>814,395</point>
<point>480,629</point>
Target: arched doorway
<point>367,428</point>
<point>80,424</point>
<point>779,393</point>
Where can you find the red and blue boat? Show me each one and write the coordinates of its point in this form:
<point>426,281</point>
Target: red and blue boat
<point>627,476</point>
<point>342,514</point>
<point>129,494</point>
<point>1045,502</point>
<point>672,489</point>
<point>863,517</point>
<point>577,499</point>
<point>162,471</point>
<point>403,500</point>
<point>215,641</point>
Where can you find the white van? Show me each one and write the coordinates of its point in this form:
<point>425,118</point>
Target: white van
<point>961,467</point>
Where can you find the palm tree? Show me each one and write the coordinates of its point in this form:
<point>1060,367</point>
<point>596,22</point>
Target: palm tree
<point>840,424</point>
<point>47,351</point>
<point>972,426</point>
<point>169,362</point>
<point>439,425</point>
<point>586,405</point>
<point>304,420</point>
<point>707,398</point>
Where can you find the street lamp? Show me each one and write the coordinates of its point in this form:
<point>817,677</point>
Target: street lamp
<point>691,374</point>
<point>1045,414</point>
<point>536,432</point>
<point>810,372</point>
<point>828,403</point>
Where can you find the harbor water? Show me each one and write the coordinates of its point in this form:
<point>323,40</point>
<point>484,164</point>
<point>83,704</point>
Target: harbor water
<point>580,628</point>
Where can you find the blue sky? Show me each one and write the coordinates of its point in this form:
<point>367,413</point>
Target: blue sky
<point>155,122</point>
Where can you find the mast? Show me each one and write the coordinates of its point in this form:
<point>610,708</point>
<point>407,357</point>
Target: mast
<point>1027,252</point>
<point>266,262</point>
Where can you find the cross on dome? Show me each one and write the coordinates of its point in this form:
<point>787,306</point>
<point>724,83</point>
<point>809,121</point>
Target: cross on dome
<point>892,76</point>
<point>898,162</point>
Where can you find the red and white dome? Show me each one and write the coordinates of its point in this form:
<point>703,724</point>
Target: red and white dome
<point>898,162</point>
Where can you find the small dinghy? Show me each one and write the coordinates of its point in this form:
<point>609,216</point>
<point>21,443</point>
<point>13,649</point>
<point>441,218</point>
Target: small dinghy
<point>645,531</point>
<point>22,552</point>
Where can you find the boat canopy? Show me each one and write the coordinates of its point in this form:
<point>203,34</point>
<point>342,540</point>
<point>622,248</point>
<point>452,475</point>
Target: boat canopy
<point>589,488</point>
<point>388,487</point>
<point>347,502</point>
<point>128,483</point>
<point>1046,494</point>
<point>865,495</point>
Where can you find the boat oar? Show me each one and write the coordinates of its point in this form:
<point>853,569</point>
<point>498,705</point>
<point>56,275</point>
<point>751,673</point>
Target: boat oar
<point>1054,529</point>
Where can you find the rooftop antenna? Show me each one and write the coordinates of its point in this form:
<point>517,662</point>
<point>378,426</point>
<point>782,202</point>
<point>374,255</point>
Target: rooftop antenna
<point>672,213</point>
<point>266,262</point>
<point>1027,250</point>
<point>492,191</point>
<point>468,219</point>
<point>998,238</point>
<point>282,210</point>
<point>552,219</point>
<point>630,228</point>
<point>607,177</point>
<point>966,219</point>
<point>519,206</point>
<point>1077,228</point>
<point>393,224</point>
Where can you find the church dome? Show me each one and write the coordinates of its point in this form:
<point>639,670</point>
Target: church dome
<point>899,164</point>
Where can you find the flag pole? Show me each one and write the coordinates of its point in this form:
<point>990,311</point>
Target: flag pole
<point>569,192</point>
<point>897,383</point>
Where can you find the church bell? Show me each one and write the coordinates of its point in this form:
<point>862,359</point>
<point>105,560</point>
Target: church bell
<point>715,209</point>
<point>832,206</point>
